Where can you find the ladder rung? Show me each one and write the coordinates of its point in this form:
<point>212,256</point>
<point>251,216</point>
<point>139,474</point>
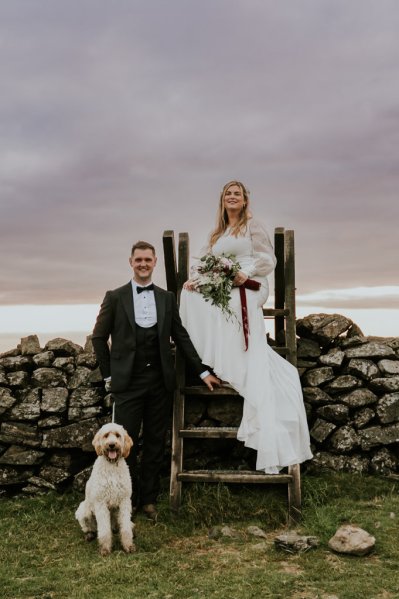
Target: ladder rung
<point>233,476</point>
<point>203,390</point>
<point>271,312</point>
<point>281,350</point>
<point>210,432</point>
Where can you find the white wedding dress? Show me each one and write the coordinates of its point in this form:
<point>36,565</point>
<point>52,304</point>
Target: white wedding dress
<point>274,419</point>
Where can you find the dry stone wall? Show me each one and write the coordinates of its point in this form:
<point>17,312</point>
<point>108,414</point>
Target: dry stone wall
<point>52,400</point>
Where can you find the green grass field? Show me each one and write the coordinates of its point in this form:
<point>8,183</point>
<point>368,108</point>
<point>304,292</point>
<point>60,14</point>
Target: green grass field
<point>43,554</point>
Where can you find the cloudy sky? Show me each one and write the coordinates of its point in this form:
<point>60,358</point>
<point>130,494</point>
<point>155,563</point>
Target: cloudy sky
<point>122,118</point>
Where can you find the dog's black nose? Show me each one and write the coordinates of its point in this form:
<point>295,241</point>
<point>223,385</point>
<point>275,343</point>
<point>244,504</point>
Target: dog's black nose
<point>111,445</point>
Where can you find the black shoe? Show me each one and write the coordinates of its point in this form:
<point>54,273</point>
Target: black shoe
<point>150,511</point>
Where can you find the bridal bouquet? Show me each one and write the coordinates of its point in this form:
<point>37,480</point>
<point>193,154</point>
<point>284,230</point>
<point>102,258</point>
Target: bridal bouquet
<point>214,279</point>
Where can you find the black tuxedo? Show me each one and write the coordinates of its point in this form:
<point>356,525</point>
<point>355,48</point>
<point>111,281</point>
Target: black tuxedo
<point>141,394</point>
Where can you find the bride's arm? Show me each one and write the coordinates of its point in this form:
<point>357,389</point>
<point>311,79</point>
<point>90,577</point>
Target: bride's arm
<point>264,260</point>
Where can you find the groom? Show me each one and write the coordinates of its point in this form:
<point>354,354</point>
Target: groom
<point>141,318</point>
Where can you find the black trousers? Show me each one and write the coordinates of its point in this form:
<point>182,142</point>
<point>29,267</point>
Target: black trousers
<point>146,402</point>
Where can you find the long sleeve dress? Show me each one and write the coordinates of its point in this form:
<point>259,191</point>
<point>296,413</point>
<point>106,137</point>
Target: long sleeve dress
<point>274,419</point>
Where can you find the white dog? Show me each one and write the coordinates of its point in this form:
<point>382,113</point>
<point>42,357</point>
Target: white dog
<point>108,491</point>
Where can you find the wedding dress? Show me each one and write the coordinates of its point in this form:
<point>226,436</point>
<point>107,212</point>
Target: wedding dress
<point>274,419</point>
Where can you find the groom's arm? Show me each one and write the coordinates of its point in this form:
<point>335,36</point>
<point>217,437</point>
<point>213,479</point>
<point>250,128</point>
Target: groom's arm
<point>101,333</point>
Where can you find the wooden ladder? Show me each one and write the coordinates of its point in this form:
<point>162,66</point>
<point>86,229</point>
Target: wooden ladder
<point>283,314</point>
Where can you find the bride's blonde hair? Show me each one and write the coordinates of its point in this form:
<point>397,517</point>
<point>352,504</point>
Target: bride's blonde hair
<point>222,221</point>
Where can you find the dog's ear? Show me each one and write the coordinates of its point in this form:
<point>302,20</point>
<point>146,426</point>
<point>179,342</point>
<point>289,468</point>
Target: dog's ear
<point>97,444</point>
<point>127,445</point>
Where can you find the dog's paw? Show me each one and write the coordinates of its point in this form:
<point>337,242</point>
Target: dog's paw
<point>130,548</point>
<point>90,536</point>
<point>104,551</point>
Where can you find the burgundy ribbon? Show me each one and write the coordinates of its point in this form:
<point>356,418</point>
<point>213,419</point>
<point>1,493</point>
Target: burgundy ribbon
<point>254,286</point>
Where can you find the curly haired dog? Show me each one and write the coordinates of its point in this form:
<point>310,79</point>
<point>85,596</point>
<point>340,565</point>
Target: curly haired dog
<point>108,491</point>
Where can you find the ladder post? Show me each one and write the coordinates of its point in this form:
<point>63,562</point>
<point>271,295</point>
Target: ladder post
<point>294,495</point>
<point>170,261</point>
<point>290,325</point>
<point>279,284</point>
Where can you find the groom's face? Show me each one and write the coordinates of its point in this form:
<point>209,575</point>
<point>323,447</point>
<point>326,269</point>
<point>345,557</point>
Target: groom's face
<point>143,263</point>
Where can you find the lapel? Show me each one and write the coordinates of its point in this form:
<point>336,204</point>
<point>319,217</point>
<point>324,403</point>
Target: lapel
<point>128,304</point>
<point>160,303</point>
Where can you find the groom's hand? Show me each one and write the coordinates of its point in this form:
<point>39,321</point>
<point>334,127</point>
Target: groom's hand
<point>210,381</point>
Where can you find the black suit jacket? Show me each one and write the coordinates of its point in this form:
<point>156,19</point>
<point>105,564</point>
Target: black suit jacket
<point>116,320</point>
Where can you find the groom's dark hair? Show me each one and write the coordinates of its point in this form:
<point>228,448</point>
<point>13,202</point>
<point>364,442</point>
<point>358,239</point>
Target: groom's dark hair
<point>143,245</point>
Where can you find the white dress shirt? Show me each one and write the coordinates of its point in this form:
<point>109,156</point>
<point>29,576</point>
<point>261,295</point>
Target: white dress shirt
<point>145,310</point>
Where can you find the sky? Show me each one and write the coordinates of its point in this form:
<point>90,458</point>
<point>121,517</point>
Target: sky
<point>122,118</point>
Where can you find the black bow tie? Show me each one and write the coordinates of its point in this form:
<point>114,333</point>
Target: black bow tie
<point>148,288</point>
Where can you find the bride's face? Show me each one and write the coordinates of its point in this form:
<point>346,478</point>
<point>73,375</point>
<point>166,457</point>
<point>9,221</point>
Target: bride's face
<point>234,198</point>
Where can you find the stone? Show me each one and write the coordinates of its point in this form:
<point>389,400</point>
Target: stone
<point>88,347</point>
<point>54,475</point>
<point>96,376</point>
<point>383,462</point>
<point>36,483</point>
<point>44,359</point>
<point>292,542</point>
<point>379,435</point>
<point>54,399</point>
<point>61,460</point>
<point>316,396</point>
<point>334,357</point>
<point>354,341</point>
<point>79,434</point>
<point>345,382</point>
<point>63,347</point>
<point>28,408</point>
<point>358,398</point>
<point>372,349</point>
<point>354,331</point>
<point>194,411</point>
<point>80,378</point>
<point>304,365</point>
<point>3,377</point>
<point>87,359</point>
<point>255,531</point>
<point>388,385</point>
<point>30,345</point>
<point>12,476</point>
<point>6,400</point>
<point>80,479</point>
<point>388,408</point>
<point>16,363</point>
<point>321,430</point>
<point>352,540</point>
<point>50,421</point>
<point>49,377</point>
<point>324,460</point>
<point>318,376</point>
<point>363,417</point>
<point>19,434</point>
<point>357,463</point>
<point>84,397</point>
<point>18,379</point>
<point>65,363</point>
<point>325,328</point>
<point>389,366</point>
<point>363,368</point>
<point>307,348</point>
<point>334,412</point>
<point>21,456</point>
<point>344,440</point>
<point>76,414</point>
<point>11,352</point>
<point>226,411</point>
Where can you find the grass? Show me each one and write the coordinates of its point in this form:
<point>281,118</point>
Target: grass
<point>43,554</point>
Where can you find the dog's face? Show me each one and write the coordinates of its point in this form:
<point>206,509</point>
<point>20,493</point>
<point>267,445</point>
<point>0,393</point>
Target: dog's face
<point>113,442</point>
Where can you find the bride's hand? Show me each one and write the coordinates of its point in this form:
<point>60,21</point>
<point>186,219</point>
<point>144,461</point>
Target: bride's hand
<point>189,285</point>
<point>239,279</point>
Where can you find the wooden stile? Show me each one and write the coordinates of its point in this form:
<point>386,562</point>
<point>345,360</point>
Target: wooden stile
<point>285,333</point>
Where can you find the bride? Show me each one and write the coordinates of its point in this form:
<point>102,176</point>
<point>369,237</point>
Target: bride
<point>274,420</point>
